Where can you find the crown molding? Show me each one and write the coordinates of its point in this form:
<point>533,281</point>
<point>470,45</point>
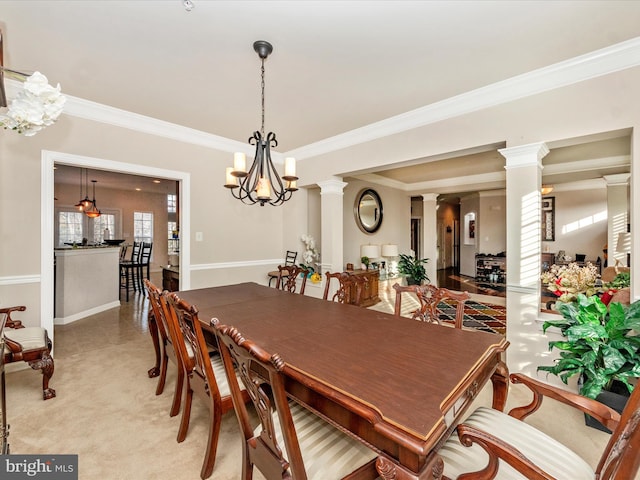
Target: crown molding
<point>601,62</point>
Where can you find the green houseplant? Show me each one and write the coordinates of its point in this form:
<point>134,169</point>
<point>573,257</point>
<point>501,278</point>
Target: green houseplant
<point>601,344</point>
<point>413,269</point>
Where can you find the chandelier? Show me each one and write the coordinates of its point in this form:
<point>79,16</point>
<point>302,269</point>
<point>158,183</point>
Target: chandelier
<point>36,105</point>
<point>261,184</point>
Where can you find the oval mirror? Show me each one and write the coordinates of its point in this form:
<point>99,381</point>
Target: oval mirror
<point>368,210</point>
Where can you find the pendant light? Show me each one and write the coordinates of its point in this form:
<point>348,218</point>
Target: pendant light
<point>93,212</point>
<point>85,204</point>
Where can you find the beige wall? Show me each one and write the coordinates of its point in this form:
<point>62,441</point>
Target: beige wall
<point>396,221</point>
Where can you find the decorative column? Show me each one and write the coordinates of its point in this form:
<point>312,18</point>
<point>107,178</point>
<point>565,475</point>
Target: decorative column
<point>430,235</point>
<point>331,219</point>
<point>524,179</point>
<point>617,214</point>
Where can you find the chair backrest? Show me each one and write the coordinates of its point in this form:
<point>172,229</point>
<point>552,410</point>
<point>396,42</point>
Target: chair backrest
<point>621,458</point>
<point>160,313</point>
<point>290,258</point>
<point>257,368</point>
<point>185,317</point>
<point>123,251</point>
<point>429,297</point>
<point>348,284</point>
<point>145,253</point>
<point>135,251</point>
<point>287,276</point>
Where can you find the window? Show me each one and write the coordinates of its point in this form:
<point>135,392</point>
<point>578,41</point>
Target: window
<point>172,228</point>
<point>99,225</point>
<point>171,203</point>
<point>143,227</point>
<point>70,227</point>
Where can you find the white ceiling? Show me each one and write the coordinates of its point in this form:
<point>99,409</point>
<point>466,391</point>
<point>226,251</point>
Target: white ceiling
<point>336,65</point>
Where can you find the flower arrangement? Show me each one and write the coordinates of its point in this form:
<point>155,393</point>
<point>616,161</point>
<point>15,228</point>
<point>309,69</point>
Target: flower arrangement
<point>310,256</point>
<point>36,106</point>
<point>567,281</point>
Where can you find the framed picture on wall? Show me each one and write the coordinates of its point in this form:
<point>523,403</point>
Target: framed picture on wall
<point>548,219</point>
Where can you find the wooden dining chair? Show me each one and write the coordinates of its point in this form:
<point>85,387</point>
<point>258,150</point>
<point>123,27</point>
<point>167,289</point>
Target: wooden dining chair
<point>429,297</point>
<point>28,344</point>
<point>350,287</point>
<point>289,261</point>
<point>290,442</point>
<point>205,376</point>
<point>167,337</point>
<point>287,278</point>
<point>489,441</point>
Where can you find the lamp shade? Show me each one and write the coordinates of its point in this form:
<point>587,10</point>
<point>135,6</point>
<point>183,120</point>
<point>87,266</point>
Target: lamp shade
<point>389,250</point>
<point>624,242</point>
<point>370,251</point>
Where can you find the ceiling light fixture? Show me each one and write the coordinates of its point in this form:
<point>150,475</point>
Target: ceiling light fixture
<point>262,180</point>
<point>188,5</point>
<point>84,204</point>
<point>546,189</point>
<point>93,212</point>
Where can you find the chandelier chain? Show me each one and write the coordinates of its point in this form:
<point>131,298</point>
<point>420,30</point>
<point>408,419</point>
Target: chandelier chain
<point>262,86</point>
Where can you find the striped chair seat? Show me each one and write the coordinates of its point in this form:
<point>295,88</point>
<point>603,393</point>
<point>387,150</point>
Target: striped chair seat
<point>327,453</point>
<point>31,338</point>
<point>551,456</point>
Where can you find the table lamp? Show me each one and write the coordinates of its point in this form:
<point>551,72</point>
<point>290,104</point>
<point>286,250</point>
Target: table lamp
<point>370,251</point>
<point>390,251</point>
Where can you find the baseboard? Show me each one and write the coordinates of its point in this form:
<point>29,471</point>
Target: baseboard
<point>85,313</point>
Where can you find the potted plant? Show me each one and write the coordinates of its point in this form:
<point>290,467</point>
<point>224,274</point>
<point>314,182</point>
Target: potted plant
<point>365,261</point>
<point>413,269</point>
<point>601,345</point>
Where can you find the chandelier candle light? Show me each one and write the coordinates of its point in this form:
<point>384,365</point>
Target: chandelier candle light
<point>261,184</point>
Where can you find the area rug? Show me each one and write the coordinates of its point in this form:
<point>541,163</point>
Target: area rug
<point>481,316</point>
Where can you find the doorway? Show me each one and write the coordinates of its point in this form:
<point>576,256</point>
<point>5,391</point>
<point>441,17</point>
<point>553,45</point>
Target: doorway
<point>49,158</point>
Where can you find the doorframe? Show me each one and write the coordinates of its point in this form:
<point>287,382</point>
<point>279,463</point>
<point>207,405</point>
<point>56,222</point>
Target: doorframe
<point>48,159</point>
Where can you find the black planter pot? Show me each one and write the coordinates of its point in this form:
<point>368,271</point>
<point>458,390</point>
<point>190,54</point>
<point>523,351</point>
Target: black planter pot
<point>616,399</point>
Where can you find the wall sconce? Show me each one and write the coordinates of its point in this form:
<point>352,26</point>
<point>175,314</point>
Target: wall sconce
<point>449,229</point>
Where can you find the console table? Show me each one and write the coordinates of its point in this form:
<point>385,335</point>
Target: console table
<point>171,278</point>
<point>369,295</point>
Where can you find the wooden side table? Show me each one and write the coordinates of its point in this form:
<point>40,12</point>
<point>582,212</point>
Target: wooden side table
<point>369,294</point>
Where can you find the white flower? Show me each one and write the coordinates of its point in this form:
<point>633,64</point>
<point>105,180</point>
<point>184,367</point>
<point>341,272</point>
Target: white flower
<point>37,105</point>
<point>311,255</point>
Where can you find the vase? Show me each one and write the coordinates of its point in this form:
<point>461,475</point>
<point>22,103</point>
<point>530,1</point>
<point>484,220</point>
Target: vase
<point>615,398</point>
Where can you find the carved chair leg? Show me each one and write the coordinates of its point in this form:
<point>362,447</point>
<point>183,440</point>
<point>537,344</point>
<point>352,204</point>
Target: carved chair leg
<point>155,338</point>
<point>186,414</point>
<point>212,445</point>
<point>45,363</point>
<point>177,395</point>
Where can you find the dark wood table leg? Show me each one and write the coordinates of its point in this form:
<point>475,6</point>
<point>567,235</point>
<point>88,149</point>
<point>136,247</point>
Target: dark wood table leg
<point>500,380</point>
<point>155,338</point>
<point>389,470</point>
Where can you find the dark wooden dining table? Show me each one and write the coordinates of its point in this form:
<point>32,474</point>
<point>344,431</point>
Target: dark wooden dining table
<point>398,385</point>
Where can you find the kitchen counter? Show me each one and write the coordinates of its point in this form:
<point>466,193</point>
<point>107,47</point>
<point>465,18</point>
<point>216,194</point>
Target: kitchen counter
<point>87,281</point>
